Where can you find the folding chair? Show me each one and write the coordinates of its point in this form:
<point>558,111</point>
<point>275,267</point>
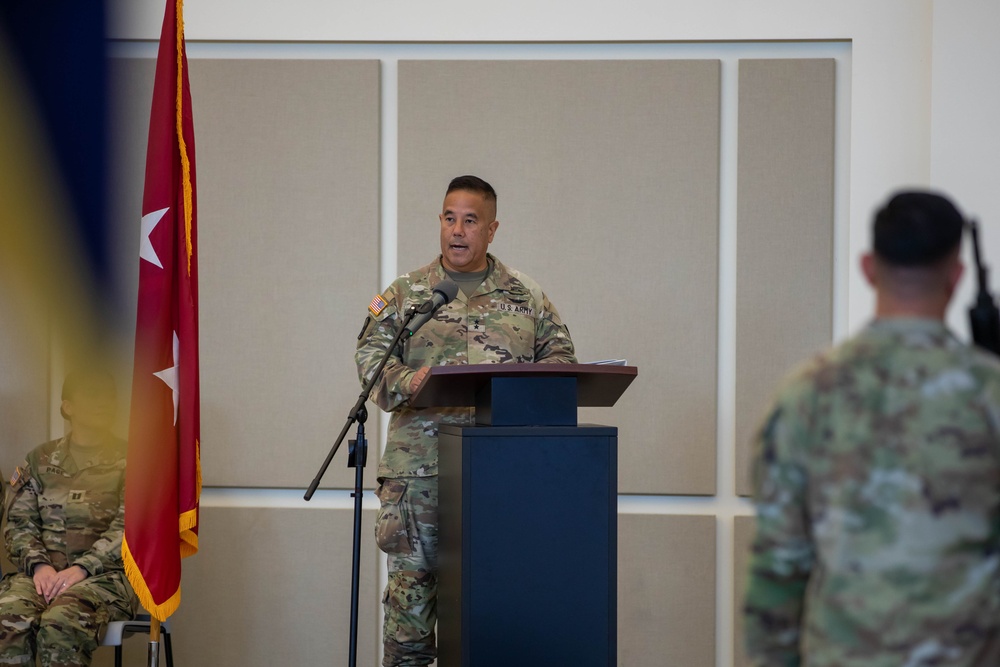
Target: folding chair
<point>119,630</point>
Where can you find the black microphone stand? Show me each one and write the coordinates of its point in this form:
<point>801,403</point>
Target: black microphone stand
<point>357,458</point>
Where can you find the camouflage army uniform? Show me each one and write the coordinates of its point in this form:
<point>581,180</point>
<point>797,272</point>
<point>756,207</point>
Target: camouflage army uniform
<point>877,479</point>
<point>63,513</point>
<point>507,319</point>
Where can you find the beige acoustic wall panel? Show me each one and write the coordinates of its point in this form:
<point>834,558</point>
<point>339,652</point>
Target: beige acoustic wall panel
<point>666,590</point>
<point>288,179</point>
<point>287,176</point>
<point>744,532</point>
<point>272,587</point>
<point>607,175</point>
<point>784,296</point>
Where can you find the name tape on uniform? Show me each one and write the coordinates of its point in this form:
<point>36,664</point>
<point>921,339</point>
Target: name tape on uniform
<point>515,308</point>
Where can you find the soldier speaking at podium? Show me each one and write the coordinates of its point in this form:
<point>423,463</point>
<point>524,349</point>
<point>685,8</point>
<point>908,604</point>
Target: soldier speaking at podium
<point>500,315</point>
<point>877,477</point>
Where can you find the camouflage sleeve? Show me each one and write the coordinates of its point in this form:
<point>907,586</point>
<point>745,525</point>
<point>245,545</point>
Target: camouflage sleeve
<point>553,344</point>
<point>782,554</point>
<point>23,532</point>
<point>393,388</point>
<point>106,553</point>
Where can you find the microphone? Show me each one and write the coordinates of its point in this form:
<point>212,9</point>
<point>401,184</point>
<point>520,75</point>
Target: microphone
<point>445,291</point>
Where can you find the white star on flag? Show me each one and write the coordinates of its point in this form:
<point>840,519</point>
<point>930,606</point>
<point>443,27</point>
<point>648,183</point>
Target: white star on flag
<point>146,250</point>
<point>169,375</point>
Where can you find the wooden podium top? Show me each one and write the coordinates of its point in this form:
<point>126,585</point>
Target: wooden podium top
<point>456,386</point>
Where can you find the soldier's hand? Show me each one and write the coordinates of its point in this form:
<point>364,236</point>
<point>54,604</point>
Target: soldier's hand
<point>418,379</point>
<point>46,581</point>
<point>68,577</point>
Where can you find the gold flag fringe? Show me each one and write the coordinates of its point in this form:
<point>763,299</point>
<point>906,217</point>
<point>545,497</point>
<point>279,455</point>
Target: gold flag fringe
<point>158,611</point>
<point>185,160</point>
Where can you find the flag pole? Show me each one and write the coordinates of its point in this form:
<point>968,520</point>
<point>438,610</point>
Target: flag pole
<point>154,642</point>
<point>161,525</point>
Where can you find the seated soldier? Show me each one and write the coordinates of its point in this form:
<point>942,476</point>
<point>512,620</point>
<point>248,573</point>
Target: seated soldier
<point>64,534</point>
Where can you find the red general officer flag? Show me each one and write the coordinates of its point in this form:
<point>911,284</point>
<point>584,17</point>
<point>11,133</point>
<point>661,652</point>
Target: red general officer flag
<point>163,477</point>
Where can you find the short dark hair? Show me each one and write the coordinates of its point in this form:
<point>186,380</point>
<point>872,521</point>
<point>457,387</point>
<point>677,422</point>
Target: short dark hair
<point>472,184</point>
<point>916,228</point>
<point>81,378</point>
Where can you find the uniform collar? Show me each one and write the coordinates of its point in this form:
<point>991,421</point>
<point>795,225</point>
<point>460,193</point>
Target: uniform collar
<point>909,325</point>
<point>499,279</point>
<point>108,452</point>
<point>915,330</point>
<point>60,454</point>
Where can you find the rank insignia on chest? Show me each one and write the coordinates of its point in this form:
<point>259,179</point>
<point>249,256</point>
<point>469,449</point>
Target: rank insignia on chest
<point>77,496</point>
<point>377,305</point>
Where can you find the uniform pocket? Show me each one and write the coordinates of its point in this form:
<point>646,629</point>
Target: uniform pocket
<point>392,532</point>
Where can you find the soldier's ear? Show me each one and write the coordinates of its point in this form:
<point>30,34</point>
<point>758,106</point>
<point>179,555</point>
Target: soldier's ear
<point>66,410</point>
<point>869,267</point>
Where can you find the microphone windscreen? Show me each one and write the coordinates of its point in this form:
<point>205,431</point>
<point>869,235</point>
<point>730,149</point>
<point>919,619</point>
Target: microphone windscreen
<point>448,289</point>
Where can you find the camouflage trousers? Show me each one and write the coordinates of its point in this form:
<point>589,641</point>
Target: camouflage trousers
<point>65,632</point>
<point>407,530</point>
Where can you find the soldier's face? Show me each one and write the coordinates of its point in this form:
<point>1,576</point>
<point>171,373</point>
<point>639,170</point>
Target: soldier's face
<point>93,406</point>
<point>468,223</point>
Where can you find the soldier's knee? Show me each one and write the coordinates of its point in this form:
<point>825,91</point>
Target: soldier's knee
<point>392,525</point>
<point>19,609</point>
<point>399,654</point>
<point>19,598</point>
<point>411,588</point>
<point>14,608</point>
<point>69,615</point>
<point>410,607</point>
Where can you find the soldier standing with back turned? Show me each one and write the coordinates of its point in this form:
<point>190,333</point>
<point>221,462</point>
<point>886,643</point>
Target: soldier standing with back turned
<point>499,316</point>
<point>64,534</point>
<point>877,478</point>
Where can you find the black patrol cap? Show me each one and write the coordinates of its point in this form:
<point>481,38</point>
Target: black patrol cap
<point>916,228</point>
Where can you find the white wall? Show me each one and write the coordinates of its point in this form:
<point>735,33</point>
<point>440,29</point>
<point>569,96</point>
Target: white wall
<point>965,137</point>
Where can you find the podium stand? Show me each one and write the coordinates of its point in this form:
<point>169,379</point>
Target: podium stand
<point>527,503</point>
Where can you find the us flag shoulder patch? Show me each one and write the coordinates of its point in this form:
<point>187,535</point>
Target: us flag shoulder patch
<point>377,305</point>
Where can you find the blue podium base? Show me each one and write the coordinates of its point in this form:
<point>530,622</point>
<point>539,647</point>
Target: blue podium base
<point>528,546</point>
